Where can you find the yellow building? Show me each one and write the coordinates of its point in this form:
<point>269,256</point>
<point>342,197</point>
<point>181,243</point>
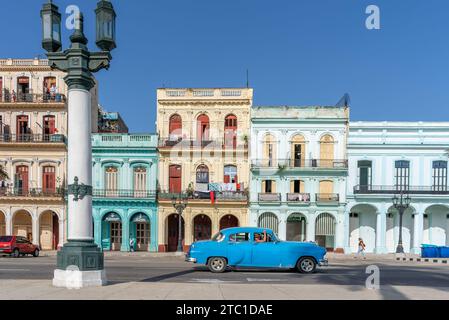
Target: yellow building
<point>33,152</point>
<point>203,156</point>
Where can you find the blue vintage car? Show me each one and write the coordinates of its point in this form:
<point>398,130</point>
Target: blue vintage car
<point>255,248</point>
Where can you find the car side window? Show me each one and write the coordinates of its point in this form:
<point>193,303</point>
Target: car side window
<point>239,237</point>
<point>259,237</point>
<point>19,240</point>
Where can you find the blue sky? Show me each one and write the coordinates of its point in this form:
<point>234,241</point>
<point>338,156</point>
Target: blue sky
<point>298,52</point>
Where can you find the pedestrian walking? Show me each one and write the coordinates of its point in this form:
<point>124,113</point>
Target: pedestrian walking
<point>131,245</point>
<point>361,249</point>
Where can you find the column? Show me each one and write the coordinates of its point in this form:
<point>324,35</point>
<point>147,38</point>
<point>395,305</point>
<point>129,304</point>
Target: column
<point>418,229</point>
<point>310,236</point>
<point>35,227</point>
<point>381,233</point>
<point>283,228</point>
<point>340,233</point>
<point>154,235</point>
<point>61,228</point>
<point>125,232</point>
<point>8,221</point>
<point>347,248</point>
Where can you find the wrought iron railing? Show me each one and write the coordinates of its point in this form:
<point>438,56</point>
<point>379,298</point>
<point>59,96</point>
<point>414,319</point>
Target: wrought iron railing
<point>8,97</point>
<point>220,196</point>
<point>32,138</point>
<point>209,143</point>
<point>298,197</point>
<point>299,163</point>
<point>122,193</point>
<point>370,189</point>
<point>32,192</point>
<point>269,197</point>
<point>327,197</point>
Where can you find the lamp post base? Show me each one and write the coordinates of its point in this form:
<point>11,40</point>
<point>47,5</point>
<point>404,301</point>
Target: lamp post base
<point>400,249</point>
<point>80,264</point>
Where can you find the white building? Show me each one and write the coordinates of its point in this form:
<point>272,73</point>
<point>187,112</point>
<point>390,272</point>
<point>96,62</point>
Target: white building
<point>299,172</point>
<point>385,157</point>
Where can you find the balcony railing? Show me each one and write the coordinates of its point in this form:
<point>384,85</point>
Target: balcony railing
<point>370,189</point>
<point>32,192</point>
<point>300,163</point>
<point>222,196</point>
<point>298,197</point>
<point>327,197</point>
<point>32,138</point>
<point>193,143</point>
<point>121,193</point>
<point>269,197</point>
<point>8,97</point>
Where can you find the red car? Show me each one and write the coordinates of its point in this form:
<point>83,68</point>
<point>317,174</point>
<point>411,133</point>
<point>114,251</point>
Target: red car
<point>17,246</point>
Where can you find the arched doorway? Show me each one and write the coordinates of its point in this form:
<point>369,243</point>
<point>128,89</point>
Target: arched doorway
<point>228,221</point>
<point>230,131</point>
<point>140,231</point>
<point>2,224</point>
<point>327,151</point>
<point>362,224</point>
<point>296,227</point>
<point>203,128</point>
<point>23,225</point>
<point>392,235</point>
<point>173,232</point>
<point>270,151</point>
<point>202,228</point>
<point>49,231</point>
<point>269,220</point>
<point>436,228</point>
<point>325,231</point>
<point>298,151</point>
<point>111,237</point>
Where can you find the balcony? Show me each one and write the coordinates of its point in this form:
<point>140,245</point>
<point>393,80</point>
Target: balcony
<point>205,93</point>
<point>390,190</point>
<point>222,196</point>
<point>282,164</point>
<point>124,140</point>
<point>220,144</point>
<point>123,194</point>
<point>327,198</point>
<point>298,198</point>
<point>12,192</point>
<point>32,138</point>
<point>269,197</point>
<point>7,97</point>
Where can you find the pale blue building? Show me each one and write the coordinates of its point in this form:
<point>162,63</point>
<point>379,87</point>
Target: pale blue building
<point>124,181</point>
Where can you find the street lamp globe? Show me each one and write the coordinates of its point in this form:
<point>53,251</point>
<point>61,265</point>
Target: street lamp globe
<point>105,25</point>
<point>395,201</point>
<point>51,27</point>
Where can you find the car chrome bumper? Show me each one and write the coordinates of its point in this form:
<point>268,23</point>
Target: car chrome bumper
<point>324,263</point>
<point>190,259</point>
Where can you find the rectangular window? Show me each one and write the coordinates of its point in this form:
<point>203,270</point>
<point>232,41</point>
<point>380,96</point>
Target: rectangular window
<point>365,174</point>
<point>402,175</point>
<point>268,186</point>
<point>439,175</point>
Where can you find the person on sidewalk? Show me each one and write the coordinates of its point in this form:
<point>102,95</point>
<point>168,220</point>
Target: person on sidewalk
<point>131,245</point>
<point>361,249</point>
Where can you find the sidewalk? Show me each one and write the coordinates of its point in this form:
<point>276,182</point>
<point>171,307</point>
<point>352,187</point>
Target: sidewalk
<point>43,290</point>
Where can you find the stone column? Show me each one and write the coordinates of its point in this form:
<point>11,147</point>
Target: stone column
<point>35,228</point>
<point>418,230</point>
<point>310,228</point>
<point>340,233</point>
<point>381,232</point>
<point>125,232</point>
<point>8,221</point>
<point>283,228</point>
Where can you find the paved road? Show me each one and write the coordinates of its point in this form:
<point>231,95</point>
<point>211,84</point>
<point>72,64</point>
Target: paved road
<point>175,270</point>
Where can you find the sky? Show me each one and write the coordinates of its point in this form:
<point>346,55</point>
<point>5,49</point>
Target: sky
<point>298,52</point>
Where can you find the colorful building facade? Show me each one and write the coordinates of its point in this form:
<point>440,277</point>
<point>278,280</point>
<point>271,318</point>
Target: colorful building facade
<point>125,168</point>
<point>384,159</point>
<point>299,172</point>
<point>203,147</point>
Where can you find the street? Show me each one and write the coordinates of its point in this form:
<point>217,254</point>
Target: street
<point>342,279</point>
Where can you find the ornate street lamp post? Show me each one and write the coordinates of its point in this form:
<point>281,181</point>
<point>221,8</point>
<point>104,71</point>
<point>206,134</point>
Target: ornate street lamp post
<point>401,203</point>
<point>80,262</point>
<point>179,204</point>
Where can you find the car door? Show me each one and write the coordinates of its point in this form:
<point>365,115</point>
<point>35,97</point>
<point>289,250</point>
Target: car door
<point>239,249</point>
<point>21,244</point>
<point>265,254</point>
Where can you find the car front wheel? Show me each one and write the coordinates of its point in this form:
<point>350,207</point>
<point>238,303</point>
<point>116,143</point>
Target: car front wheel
<point>306,265</point>
<point>217,264</point>
<point>36,253</point>
<point>16,253</point>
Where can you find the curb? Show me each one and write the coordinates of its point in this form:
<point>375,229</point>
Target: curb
<point>424,260</point>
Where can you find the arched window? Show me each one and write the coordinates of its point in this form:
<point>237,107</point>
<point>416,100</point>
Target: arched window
<point>327,151</point>
<point>269,151</point>
<point>269,220</point>
<point>202,174</point>
<point>230,174</point>
<point>111,181</point>
<point>175,179</point>
<point>175,127</point>
<point>49,88</point>
<point>298,151</point>
<point>49,179</point>
<point>230,131</point>
<point>140,181</point>
<point>21,181</point>
<point>203,128</point>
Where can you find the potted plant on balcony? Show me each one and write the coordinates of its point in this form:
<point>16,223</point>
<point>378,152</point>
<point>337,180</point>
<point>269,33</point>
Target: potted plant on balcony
<point>3,173</point>
<point>190,190</point>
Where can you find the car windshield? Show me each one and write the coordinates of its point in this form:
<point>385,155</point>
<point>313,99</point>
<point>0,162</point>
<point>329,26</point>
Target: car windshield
<point>5,239</point>
<point>218,237</point>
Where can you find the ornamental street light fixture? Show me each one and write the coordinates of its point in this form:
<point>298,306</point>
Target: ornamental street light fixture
<point>80,262</point>
<point>179,204</point>
<point>401,203</point>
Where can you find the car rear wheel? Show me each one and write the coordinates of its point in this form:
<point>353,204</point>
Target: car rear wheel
<point>16,253</point>
<point>36,253</point>
<point>306,265</point>
<point>217,264</point>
